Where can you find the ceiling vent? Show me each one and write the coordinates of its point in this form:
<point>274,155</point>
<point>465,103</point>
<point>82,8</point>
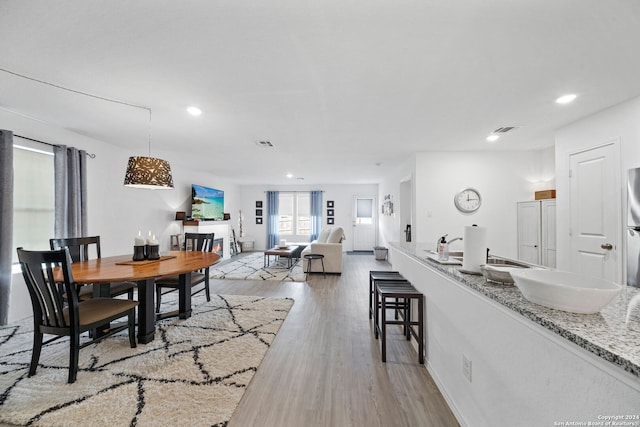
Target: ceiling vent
<point>505,129</point>
<point>265,144</point>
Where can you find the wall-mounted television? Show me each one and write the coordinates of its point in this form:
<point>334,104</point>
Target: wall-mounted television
<point>206,203</point>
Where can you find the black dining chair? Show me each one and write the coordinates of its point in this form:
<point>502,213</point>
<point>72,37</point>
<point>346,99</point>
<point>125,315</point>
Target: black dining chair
<point>42,270</point>
<point>79,249</point>
<point>202,242</point>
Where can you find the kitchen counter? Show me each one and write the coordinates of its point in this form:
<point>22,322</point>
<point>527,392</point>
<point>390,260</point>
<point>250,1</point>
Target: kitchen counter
<point>613,334</point>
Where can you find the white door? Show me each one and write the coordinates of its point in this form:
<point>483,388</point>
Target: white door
<point>595,206</point>
<point>529,232</point>
<point>364,223</point>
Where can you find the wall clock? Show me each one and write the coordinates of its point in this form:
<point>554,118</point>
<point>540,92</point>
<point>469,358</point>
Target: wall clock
<point>467,200</point>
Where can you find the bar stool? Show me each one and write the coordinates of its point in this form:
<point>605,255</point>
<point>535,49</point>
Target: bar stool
<point>406,292</point>
<point>311,257</point>
<point>382,276</point>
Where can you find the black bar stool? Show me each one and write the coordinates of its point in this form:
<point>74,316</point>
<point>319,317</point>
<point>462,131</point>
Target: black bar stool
<point>406,292</point>
<point>381,276</point>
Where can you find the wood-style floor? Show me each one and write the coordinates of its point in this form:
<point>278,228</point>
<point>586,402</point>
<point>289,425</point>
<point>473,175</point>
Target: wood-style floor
<point>324,368</point>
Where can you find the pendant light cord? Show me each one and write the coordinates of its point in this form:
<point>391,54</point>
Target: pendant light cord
<point>86,94</point>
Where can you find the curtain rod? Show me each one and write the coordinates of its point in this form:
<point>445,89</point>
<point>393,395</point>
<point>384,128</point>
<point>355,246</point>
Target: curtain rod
<point>93,156</point>
<point>294,191</point>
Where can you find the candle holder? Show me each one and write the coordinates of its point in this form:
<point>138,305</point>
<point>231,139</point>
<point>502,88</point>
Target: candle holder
<point>153,252</point>
<point>138,253</point>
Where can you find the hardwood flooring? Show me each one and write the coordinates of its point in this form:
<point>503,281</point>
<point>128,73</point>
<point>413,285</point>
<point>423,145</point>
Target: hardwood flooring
<point>324,368</point>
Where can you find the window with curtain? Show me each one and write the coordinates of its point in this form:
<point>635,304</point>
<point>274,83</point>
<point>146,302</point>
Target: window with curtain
<point>294,216</point>
<point>33,205</point>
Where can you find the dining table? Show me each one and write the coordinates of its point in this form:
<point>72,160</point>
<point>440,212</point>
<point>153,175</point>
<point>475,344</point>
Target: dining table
<point>102,271</point>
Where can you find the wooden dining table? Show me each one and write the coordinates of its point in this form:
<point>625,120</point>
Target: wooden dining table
<point>103,271</point>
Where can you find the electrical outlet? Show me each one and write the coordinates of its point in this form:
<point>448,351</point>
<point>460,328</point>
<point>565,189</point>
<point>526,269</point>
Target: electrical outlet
<point>466,367</point>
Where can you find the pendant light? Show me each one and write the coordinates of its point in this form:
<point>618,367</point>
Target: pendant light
<point>142,172</point>
<point>148,172</point>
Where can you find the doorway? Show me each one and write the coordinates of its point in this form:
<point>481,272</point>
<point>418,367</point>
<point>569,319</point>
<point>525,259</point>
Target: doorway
<point>364,223</point>
<point>595,210</point>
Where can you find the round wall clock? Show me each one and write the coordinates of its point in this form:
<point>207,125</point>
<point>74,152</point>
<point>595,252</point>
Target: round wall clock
<point>467,200</point>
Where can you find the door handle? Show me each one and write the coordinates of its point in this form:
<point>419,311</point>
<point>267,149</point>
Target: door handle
<point>606,246</point>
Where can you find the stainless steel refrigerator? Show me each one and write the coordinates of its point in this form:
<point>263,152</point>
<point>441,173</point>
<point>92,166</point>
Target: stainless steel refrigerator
<point>633,228</point>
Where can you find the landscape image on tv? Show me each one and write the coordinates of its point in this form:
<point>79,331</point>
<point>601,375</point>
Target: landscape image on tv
<point>206,203</point>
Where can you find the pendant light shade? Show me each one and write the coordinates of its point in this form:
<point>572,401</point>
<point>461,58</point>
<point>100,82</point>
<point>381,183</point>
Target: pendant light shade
<point>148,172</point>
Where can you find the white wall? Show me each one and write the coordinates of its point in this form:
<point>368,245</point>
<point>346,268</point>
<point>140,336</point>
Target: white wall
<point>342,195</point>
<point>620,122</point>
<point>115,212</point>
<point>502,178</point>
<point>390,226</point>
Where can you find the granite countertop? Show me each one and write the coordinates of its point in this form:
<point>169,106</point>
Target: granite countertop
<point>612,334</point>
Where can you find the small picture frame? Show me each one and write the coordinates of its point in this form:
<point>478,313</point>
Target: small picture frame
<point>329,203</point>
<point>258,203</point>
<point>259,220</point>
<point>329,212</point>
<point>258,212</point>
<point>330,221</point>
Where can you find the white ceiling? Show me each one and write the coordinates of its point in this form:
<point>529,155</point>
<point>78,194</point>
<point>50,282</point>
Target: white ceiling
<point>343,89</point>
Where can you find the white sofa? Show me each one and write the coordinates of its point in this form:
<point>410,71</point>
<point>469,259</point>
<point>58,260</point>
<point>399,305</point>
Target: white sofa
<point>329,244</point>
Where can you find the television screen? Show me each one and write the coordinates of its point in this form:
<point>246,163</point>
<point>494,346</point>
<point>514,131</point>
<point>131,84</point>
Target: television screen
<point>206,203</point>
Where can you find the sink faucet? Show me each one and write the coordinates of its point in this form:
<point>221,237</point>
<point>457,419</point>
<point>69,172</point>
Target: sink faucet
<point>454,239</point>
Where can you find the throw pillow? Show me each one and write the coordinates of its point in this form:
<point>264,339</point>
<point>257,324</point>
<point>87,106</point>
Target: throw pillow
<point>324,235</point>
<point>336,235</point>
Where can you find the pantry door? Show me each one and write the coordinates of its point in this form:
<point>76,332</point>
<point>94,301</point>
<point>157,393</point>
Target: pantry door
<point>595,207</point>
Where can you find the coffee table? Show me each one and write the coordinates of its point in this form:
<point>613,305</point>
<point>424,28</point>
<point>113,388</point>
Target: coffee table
<point>278,252</point>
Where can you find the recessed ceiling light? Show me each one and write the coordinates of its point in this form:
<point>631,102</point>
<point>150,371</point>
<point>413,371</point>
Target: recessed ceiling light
<point>565,99</point>
<point>194,111</point>
<point>493,137</point>
<point>289,175</point>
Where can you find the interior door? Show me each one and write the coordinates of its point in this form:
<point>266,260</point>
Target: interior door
<point>529,232</point>
<point>595,206</point>
<point>364,223</point>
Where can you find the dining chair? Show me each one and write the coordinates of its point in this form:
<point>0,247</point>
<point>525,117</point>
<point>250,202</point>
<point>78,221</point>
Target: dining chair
<point>41,271</point>
<point>79,249</point>
<point>202,242</point>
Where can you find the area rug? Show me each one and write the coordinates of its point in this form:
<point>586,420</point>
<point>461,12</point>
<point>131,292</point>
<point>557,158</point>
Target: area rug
<point>251,267</point>
<point>194,373</point>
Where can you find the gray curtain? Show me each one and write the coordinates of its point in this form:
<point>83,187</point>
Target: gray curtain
<point>273,216</point>
<point>6,221</point>
<point>70,170</point>
<point>316,214</point>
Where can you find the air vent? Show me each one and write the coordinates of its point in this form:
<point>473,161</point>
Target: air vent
<point>265,144</point>
<point>505,129</point>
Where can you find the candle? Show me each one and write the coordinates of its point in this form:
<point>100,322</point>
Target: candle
<point>152,241</point>
<point>139,240</point>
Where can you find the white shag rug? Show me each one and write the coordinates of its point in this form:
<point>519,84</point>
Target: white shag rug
<point>194,373</point>
<point>251,267</point>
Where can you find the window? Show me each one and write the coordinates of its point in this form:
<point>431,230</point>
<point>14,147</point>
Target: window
<point>33,197</point>
<point>295,216</point>
<point>364,211</point>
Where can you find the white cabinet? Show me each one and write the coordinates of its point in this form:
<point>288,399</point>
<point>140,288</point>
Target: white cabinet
<point>537,232</point>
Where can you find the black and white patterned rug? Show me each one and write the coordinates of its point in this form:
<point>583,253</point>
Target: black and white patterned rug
<point>193,374</point>
<point>251,267</point>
